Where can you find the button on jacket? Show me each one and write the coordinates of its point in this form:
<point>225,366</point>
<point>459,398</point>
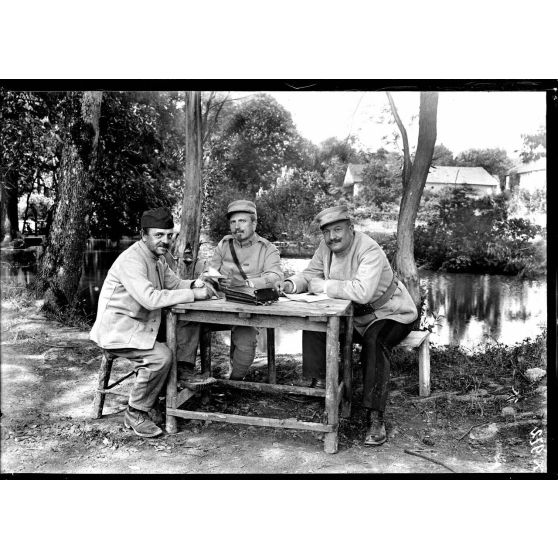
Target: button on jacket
<point>362,274</point>
<point>258,257</point>
<point>137,286</point>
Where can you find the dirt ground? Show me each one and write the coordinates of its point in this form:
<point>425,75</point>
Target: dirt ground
<point>49,374</point>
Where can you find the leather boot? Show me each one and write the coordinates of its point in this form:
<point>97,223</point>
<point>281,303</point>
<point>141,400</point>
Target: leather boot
<point>140,423</point>
<point>318,383</point>
<point>376,429</point>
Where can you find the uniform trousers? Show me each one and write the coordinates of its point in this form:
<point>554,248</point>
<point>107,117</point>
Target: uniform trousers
<point>377,343</point>
<point>243,345</point>
<point>152,368</point>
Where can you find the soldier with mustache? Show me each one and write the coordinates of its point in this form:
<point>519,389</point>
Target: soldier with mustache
<point>350,265</point>
<point>138,285</point>
<point>259,266</point>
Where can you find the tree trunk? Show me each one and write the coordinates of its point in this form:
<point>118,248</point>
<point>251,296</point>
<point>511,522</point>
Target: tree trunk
<point>412,192</point>
<point>8,207</point>
<point>60,269</point>
<point>188,243</point>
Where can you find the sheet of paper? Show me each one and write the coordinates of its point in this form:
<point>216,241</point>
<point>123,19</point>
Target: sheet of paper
<point>306,297</point>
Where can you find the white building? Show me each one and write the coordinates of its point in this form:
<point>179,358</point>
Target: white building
<point>528,177</point>
<point>477,179</point>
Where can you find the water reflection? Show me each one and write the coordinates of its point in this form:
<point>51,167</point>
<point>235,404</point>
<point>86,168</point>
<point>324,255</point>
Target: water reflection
<point>480,308</point>
<point>476,308</point>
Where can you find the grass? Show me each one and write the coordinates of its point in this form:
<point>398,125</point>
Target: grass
<point>16,296</point>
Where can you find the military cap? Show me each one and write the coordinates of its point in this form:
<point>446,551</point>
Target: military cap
<point>160,218</point>
<point>245,206</point>
<point>332,215</point>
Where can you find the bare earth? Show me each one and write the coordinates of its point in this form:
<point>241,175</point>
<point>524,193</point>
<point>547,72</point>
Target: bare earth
<point>49,374</point>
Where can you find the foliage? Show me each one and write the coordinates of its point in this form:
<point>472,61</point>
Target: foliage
<point>288,210</point>
<point>495,161</point>
<point>258,139</point>
<point>29,144</point>
<point>141,153</point>
<point>29,136</point>
<point>534,145</point>
<point>476,235</point>
<point>332,159</point>
<point>443,156</point>
<point>381,180</point>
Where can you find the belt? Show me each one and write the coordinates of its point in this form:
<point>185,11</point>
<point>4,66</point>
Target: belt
<point>371,307</point>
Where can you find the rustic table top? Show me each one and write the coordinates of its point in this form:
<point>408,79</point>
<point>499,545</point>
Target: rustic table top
<point>283,307</point>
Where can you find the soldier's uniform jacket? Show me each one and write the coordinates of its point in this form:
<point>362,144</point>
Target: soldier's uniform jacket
<point>361,274</point>
<point>258,257</point>
<point>137,286</point>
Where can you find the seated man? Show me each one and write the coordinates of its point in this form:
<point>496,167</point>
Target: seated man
<point>138,284</point>
<point>351,266</point>
<point>243,258</point>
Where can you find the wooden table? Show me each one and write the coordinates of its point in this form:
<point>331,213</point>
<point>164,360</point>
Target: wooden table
<point>330,316</point>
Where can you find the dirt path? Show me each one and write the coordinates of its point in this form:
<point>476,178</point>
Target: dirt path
<point>49,374</point>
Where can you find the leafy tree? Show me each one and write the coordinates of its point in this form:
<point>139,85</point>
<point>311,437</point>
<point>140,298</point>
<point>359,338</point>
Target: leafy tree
<point>443,156</point>
<point>414,174</point>
<point>140,162</point>
<point>288,210</point>
<point>256,142</point>
<point>60,267</point>
<point>476,235</point>
<point>380,184</point>
<point>493,160</point>
<point>534,145</point>
<point>332,159</point>
<point>29,147</point>
<point>247,152</point>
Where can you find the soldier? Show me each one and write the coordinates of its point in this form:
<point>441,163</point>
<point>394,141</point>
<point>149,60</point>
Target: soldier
<point>138,284</point>
<point>242,257</point>
<point>351,266</point>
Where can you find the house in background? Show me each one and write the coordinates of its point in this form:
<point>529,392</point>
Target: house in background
<point>528,177</point>
<point>353,179</point>
<point>481,182</point>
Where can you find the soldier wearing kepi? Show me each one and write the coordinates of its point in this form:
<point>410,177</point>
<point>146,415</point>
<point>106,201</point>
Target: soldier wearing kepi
<point>138,284</point>
<point>243,258</point>
<point>350,265</point>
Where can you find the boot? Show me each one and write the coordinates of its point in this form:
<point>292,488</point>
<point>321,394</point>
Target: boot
<point>376,429</point>
<point>140,423</point>
<point>318,383</point>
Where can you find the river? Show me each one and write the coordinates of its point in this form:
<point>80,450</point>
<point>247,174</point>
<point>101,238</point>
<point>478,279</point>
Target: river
<point>475,309</point>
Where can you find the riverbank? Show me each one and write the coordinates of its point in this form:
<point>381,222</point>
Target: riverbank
<point>478,419</point>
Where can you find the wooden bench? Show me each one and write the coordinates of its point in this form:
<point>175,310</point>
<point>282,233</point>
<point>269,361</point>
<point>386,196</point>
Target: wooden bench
<point>420,340</point>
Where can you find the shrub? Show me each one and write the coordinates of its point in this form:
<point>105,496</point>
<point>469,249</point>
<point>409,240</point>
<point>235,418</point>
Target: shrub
<point>476,235</point>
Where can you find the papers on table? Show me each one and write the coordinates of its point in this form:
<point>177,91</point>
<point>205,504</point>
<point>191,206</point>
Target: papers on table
<point>306,297</point>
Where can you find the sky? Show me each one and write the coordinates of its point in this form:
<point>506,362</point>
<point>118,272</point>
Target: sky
<point>465,119</point>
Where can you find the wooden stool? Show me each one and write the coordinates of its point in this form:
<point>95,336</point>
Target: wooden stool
<point>103,387</point>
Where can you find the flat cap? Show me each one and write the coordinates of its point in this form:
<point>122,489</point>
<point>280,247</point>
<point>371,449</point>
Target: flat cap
<point>159,218</point>
<point>332,215</point>
<point>245,206</point>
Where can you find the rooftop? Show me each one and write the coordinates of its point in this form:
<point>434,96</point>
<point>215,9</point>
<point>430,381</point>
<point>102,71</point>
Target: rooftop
<point>461,175</point>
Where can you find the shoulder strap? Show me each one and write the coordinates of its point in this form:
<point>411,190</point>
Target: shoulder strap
<point>235,258</point>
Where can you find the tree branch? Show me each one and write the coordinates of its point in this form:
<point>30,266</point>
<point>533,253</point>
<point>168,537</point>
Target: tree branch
<point>406,153</point>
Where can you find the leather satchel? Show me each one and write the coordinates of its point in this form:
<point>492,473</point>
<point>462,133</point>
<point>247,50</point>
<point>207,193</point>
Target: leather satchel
<point>249,295</point>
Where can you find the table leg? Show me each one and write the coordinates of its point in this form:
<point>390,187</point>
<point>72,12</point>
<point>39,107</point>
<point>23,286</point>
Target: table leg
<point>271,371</point>
<point>171,380</point>
<point>205,350</point>
<point>347,368</point>
<point>332,383</point>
